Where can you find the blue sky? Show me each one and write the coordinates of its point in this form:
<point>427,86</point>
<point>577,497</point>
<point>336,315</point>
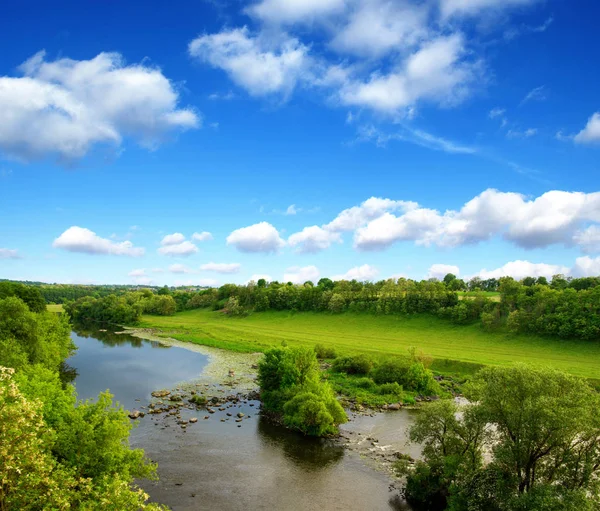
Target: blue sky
<point>342,138</point>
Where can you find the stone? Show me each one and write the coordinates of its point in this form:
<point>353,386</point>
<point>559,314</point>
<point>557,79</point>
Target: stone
<point>135,414</point>
<point>394,406</point>
<point>161,393</point>
<point>193,419</point>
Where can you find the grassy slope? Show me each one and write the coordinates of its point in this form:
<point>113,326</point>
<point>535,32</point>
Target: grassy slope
<point>380,335</point>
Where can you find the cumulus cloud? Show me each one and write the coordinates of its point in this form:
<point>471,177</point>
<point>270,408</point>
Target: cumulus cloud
<point>141,272</point>
<point>354,217</point>
<point>80,239</point>
<point>552,218</point>
<point>586,266</point>
<point>364,272</point>
<point>291,11</point>
<point>221,267</point>
<point>591,133</point>
<point>202,236</point>
<point>172,239</point>
<point>261,237</point>
<point>299,275</point>
<point>9,253</point>
<point>64,107</point>
<point>439,271</point>
<point>258,64</point>
<point>157,270</point>
<point>521,269</point>
<point>375,27</point>
<point>437,72</point>
<point>183,249</point>
<point>180,268</point>
<point>313,239</point>
<point>588,239</point>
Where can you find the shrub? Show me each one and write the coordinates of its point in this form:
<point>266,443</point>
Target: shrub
<point>323,351</point>
<point>411,375</point>
<point>233,307</point>
<point>364,383</point>
<point>390,389</point>
<point>357,364</point>
<point>314,410</point>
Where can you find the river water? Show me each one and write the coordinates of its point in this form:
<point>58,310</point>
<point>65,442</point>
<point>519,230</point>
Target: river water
<point>222,465</point>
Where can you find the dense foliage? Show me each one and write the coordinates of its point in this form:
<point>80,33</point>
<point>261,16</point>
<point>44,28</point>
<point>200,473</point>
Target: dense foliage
<point>122,310</point>
<point>290,385</point>
<point>56,455</point>
<point>540,429</point>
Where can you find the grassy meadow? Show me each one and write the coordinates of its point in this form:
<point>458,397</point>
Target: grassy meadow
<point>455,349</point>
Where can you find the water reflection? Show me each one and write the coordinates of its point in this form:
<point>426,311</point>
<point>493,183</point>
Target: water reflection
<point>110,338</point>
<point>307,453</point>
<point>130,372</point>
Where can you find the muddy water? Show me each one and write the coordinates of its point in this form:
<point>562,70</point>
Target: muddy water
<point>227,465</point>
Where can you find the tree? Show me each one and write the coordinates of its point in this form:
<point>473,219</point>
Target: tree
<point>449,278</point>
<point>542,429</point>
<point>326,284</point>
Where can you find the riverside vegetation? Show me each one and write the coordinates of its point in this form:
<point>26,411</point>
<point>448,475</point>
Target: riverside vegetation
<point>56,453</point>
<point>529,440</point>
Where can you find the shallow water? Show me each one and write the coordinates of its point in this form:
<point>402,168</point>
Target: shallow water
<point>218,465</point>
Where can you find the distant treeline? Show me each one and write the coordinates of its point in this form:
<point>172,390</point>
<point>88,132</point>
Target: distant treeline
<point>567,308</point>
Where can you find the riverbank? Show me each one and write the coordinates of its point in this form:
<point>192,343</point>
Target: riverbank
<point>455,349</point>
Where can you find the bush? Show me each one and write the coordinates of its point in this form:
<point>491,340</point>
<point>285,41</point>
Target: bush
<point>323,351</point>
<point>314,410</point>
<point>357,364</point>
<point>390,389</point>
<point>411,375</point>
<point>364,383</point>
<point>233,307</point>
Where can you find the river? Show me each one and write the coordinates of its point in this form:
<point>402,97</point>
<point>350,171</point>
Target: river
<point>225,465</point>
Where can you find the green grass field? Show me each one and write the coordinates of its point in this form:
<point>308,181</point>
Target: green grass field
<point>55,307</point>
<point>453,347</point>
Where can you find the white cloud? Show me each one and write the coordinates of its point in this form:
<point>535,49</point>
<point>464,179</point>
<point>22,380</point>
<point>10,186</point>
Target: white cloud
<point>313,239</point>
<point>257,64</point>
<point>375,27</point>
<point>521,269</point>
<point>536,94</point>
<point>172,239</point>
<point>64,107</point>
<point>141,272</point>
<point>552,218</point>
<point>439,271</point>
<point>221,267</point>
<point>157,270</point>
<point>437,72</point>
<point>474,7</point>
<point>354,217</point>
<point>180,268</point>
<point>9,253</point>
<point>261,237</point>
<point>291,11</point>
<point>202,236</point>
<point>413,136</point>
<point>528,133</point>
<point>299,275</point>
<point>364,272</point>
<point>586,267</point>
<point>291,210</point>
<point>588,239</point>
<point>497,112</point>
<point>184,249</point>
<point>257,276</point>
<point>143,281</point>
<point>591,133</point>
<point>79,239</point>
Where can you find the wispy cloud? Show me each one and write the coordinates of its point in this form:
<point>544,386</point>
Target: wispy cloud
<point>535,94</point>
